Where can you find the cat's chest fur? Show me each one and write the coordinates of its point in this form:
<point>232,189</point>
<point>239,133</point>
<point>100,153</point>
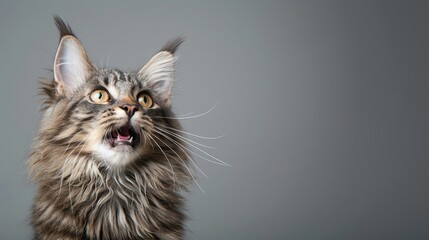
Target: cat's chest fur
<point>116,207</point>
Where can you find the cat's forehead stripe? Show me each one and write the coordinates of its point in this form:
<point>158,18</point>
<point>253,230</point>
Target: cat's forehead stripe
<point>119,83</point>
<point>109,79</point>
<point>116,75</point>
<point>121,75</point>
<point>112,77</point>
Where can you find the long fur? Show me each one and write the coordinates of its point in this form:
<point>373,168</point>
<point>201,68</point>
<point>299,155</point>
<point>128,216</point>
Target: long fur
<point>81,195</point>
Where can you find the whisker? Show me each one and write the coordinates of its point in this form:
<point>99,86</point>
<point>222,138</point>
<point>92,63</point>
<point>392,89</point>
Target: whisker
<point>183,148</point>
<point>195,135</point>
<point>218,161</point>
<point>184,138</point>
<point>184,164</point>
<point>189,117</point>
<point>165,155</point>
<point>174,176</point>
<point>186,114</point>
<point>145,137</point>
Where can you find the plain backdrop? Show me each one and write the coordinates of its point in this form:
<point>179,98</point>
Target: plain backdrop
<point>323,106</point>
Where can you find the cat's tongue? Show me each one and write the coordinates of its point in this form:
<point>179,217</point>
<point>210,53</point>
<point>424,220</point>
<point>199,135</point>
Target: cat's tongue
<point>123,138</point>
<point>122,134</point>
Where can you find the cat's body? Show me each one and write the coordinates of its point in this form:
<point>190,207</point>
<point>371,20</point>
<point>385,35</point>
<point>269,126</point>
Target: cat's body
<point>108,160</point>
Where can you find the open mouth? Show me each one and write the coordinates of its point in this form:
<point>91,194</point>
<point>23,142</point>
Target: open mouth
<point>123,136</point>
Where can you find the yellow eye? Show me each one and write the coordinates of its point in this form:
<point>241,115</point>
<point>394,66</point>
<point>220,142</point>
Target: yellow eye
<point>145,100</point>
<point>99,96</point>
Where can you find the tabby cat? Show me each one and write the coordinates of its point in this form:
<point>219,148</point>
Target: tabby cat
<point>109,160</point>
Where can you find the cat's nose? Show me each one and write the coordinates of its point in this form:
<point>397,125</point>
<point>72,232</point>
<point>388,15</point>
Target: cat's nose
<point>130,109</point>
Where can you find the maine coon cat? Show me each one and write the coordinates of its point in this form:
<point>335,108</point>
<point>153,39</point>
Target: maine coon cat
<point>109,160</point>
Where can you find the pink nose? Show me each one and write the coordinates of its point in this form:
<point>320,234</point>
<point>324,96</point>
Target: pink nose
<point>130,109</point>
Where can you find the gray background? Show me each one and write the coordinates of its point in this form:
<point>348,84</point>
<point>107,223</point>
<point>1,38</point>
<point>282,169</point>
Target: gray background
<point>324,105</point>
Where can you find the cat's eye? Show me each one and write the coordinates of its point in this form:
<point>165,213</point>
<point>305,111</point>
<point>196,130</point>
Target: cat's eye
<point>99,96</point>
<point>145,100</point>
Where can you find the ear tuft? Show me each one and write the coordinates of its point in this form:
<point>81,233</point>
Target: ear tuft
<point>173,45</point>
<point>63,27</point>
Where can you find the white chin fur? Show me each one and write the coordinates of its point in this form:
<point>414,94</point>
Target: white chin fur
<point>118,156</point>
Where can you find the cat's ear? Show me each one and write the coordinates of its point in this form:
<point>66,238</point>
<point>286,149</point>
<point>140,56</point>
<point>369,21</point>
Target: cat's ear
<point>72,66</point>
<point>157,75</point>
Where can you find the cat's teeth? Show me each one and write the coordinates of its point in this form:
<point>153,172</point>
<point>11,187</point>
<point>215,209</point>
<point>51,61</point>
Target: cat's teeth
<point>130,140</point>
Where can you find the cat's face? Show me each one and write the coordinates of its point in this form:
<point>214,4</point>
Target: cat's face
<point>119,112</point>
<point>106,114</point>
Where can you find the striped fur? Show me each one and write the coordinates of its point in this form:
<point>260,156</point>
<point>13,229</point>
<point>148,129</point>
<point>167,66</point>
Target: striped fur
<point>85,194</point>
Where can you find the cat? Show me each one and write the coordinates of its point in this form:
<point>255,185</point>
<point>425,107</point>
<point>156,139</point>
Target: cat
<point>109,161</point>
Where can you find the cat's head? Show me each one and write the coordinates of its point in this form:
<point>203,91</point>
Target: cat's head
<point>107,114</point>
